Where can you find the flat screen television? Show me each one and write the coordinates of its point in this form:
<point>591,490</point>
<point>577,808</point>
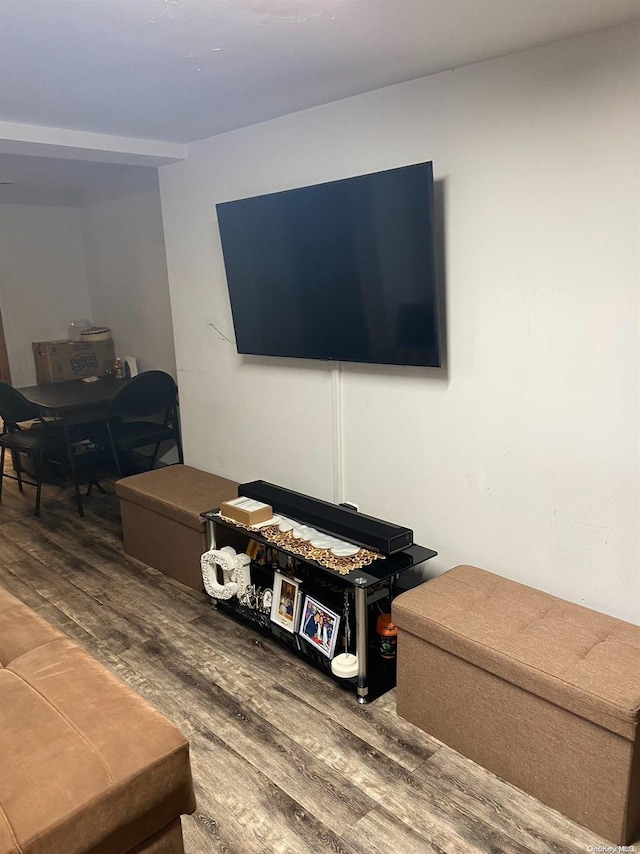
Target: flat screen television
<point>341,271</point>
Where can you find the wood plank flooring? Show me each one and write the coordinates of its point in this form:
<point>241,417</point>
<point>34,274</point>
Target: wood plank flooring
<point>283,760</point>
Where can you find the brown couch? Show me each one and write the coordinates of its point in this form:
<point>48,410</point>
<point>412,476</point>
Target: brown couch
<point>161,520</point>
<point>86,765</point>
<point>542,692</point>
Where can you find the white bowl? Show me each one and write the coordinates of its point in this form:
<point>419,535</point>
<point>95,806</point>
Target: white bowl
<point>345,550</point>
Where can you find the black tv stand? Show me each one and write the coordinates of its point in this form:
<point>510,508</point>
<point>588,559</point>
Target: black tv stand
<point>371,589</point>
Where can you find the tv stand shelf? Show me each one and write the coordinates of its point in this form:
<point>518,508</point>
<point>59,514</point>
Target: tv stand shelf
<point>368,591</point>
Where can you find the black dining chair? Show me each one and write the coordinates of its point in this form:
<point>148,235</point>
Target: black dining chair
<point>24,431</point>
<point>143,413</point>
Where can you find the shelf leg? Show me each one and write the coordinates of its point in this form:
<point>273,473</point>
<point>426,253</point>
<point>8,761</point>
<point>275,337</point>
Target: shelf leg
<point>361,644</point>
<point>211,536</point>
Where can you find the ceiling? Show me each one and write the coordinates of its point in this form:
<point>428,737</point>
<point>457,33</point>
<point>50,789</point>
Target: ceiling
<point>182,70</point>
<point>25,179</point>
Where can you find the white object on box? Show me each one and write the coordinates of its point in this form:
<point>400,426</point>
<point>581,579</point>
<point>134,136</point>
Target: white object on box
<point>95,333</point>
<point>76,327</point>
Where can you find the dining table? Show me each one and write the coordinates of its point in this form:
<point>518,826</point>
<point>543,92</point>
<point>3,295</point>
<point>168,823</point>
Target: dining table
<point>70,401</point>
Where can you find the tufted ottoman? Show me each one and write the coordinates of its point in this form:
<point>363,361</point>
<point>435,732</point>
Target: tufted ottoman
<point>542,692</point>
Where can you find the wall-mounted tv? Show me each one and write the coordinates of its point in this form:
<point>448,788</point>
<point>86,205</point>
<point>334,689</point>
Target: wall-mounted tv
<point>341,271</point>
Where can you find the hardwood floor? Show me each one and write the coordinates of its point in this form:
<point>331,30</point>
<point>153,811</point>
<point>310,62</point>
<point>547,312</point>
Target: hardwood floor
<point>283,760</point>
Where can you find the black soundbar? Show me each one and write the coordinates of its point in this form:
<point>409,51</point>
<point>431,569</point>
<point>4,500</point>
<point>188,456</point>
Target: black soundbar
<point>342,522</point>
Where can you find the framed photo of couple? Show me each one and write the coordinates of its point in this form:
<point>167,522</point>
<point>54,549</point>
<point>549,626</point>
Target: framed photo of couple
<point>319,626</point>
<point>285,605</point>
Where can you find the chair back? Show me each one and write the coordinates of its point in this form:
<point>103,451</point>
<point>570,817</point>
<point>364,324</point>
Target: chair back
<point>14,407</point>
<point>147,394</point>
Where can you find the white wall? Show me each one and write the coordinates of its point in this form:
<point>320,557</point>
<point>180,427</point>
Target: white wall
<point>127,277</point>
<point>43,280</point>
<point>104,261</point>
<point>522,456</point>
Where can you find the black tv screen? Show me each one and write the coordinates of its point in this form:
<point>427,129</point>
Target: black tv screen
<point>342,271</point>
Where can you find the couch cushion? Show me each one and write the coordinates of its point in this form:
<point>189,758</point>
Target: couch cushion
<point>579,659</point>
<point>178,492</point>
<point>87,764</point>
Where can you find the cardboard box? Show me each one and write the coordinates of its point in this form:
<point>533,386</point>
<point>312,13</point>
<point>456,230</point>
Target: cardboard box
<point>57,361</point>
<point>247,511</point>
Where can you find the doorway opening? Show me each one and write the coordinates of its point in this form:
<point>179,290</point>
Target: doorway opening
<point>5,372</point>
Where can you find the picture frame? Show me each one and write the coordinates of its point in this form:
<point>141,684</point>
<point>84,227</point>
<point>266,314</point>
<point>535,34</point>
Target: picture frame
<point>319,626</point>
<point>285,604</point>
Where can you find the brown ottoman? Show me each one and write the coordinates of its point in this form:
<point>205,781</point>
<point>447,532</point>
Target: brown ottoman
<point>161,519</point>
<point>542,692</point>
<point>86,765</point>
